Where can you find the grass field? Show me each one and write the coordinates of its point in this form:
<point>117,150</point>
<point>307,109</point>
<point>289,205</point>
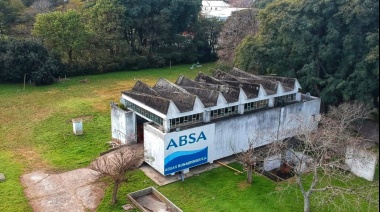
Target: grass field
<point>36,133</point>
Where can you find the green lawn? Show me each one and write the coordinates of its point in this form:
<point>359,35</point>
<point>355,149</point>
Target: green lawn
<point>221,190</point>
<point>36,133</point>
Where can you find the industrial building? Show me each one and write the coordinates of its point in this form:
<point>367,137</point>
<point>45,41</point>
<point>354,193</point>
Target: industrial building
<point>192,122</point>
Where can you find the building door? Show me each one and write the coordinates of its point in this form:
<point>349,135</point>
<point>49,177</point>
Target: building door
<point>140,133</point>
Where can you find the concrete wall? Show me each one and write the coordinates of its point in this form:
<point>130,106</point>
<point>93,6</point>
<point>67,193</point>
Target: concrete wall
<point>154,147</point>
<point>361,162</point>
<point>272,162</point>
<point>261,128</point>
<point>123,125</point>
<point>299,160</point>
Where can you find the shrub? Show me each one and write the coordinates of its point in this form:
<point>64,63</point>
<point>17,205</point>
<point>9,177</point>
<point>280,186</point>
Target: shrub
<point>30,57</point>
<point>156,61</point>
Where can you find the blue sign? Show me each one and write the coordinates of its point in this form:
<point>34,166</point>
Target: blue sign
<point>181,160</point>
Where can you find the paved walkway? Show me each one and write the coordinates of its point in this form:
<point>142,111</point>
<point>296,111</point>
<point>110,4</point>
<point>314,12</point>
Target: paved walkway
<point>73,191</point>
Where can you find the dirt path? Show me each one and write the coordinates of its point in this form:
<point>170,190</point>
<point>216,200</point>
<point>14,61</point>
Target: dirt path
<point>72,191</point>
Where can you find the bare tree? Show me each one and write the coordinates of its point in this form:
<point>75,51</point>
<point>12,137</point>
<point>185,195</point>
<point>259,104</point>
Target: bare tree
<point>322,154</point>
<point>117,163</point>
<point>236,28</point>
<point>41,6</point>
<point>250,156</point>
<point>248,159</point>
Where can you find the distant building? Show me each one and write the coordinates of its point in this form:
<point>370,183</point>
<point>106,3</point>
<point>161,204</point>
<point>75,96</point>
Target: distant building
<point>192,122</point>
<point>218,9</point>
<point>214,5</point>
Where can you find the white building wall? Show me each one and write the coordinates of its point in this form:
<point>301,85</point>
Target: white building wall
<point>361,162</point>
<point>234,134</point>
<point>272,162</point>
<point>123,125</point>
<point>154,147</point>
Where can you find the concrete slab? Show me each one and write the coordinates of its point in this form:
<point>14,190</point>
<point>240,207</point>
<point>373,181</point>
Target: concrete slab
<point>79,177</point>
<point>90,196</point>
<point>75,190</point>
<point>34,177</point>
<point>152,203</point>
<point>63,201</point>
<point>47,186</point>
<point>161,180</point>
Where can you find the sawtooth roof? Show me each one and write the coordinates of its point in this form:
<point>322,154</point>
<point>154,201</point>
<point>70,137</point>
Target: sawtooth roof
<point>184,92</point>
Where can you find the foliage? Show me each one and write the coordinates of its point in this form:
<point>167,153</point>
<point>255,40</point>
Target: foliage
<point>224,66</point>
<point>105,21</point>
<point>30,58</point>
<point>247,56</point>
<point>330,46</point>
<point>8,16</point>
<point>206,38</point>
<point>98,36</point>
<point>152,24</point>
<point>261,4</point>
<point>63,32</point>
<point>47,73</point>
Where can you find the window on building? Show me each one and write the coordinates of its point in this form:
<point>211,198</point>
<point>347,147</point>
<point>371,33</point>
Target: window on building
<point>223,112</point>
<point>283,99</point>
<point>256,105</point>
<point>145,113</point>
<point>186,120</point>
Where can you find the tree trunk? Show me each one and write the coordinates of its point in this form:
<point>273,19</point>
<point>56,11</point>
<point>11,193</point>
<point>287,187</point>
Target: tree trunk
<point>114,192</point>
<point>70,55</point>
<point>306,203</point>
<point>249,174</point>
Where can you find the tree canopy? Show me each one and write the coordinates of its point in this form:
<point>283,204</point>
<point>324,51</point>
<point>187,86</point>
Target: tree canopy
<point>99,36</point>
<point>8,15</point>
<point>63,32</point>
<point>152,23</point>
<point>330,46</point>
<point>19,58</point>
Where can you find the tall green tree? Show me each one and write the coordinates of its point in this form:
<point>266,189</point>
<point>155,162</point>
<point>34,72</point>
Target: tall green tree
<point>206,38</point>
<point>105,20</point>
<point>153,23</point>
<point>330,46</point>
<point>63,32</point>
<point>8,16</point>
